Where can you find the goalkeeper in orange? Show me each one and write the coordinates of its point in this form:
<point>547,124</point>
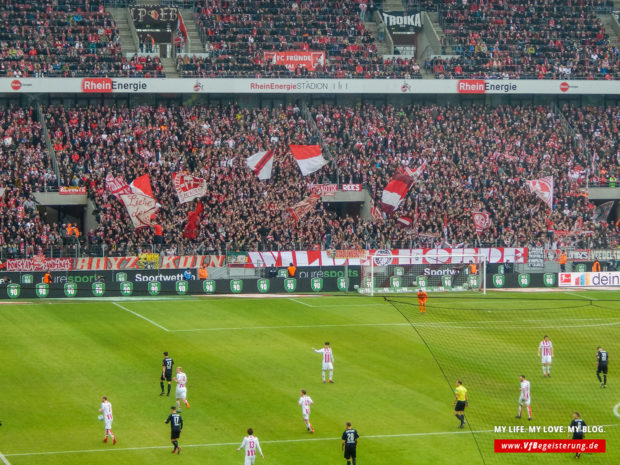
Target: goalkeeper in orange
<point>422,296</point>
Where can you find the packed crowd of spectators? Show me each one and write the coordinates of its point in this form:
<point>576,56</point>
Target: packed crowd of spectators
<point>237,35</point>
<point>477,158</point>
<point>550,39</point>
<point>25,168</point>
<point>71,38</point>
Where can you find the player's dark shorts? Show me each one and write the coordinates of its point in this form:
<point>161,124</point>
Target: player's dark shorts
<point>167,376</point>
<point>460,406</point>
<point>602,369</point>
<point>175,433</point>
<point>577,435</point>
<point>350,451</point>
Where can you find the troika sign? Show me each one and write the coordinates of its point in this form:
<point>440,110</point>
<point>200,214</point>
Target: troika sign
<point>104,85</point>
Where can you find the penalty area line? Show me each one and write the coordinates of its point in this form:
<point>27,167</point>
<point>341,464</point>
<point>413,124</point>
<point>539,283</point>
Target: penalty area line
<point>140,316</point>
<point>222,444</point>
<point>4,459</point>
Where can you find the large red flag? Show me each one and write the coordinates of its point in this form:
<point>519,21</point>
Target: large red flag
<point>191,228</point>
<point>482,220</point>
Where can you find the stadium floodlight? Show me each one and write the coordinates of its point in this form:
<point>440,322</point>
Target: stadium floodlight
<point>402,274</point>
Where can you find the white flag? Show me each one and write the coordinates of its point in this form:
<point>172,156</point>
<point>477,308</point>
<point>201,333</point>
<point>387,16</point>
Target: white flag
<point>261,163</point>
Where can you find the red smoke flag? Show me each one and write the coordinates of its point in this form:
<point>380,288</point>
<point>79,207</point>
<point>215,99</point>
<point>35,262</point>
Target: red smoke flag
<point>482,220</point>
<point>395,192</point>
<point>261,163</point>
<point>188,187</point>
<point>543,188</point>
<point>308,157</point>
<point>302,208</point>
<point>191,228</point>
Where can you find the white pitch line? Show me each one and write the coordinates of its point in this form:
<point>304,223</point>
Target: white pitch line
<point>4,459</point>
<point>140,316</point>
<point>287,327</point>
<point>222,444</point>
<point>302,303</point>
<point>583,297</point>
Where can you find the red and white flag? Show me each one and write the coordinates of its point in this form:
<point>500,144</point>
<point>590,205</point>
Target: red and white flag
<point>482,220</point>
<point>375,212</point>
<point>142,185</point>
<point>302,208</point>
<point>404,221</point>
<point>416,173</point>
<point>308,157</point>
<point>188,187</point>
<point>117,186</point>
<point>140,208</point>
<point>261,163</point>
<point>395,191</point>
<point>543,188</point>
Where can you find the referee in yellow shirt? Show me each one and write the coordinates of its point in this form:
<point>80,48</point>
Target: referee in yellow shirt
<point>461,400</point>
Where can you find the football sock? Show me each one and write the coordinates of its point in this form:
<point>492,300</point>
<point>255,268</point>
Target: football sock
<point>520,408</point>
<point>544,370</point>
<point>604,379</point>
<point>353,461</point>
<point>599,378</point>
<point>331,375</point>
<point>348,462</point>
<point>168,389</point>
<point>176,444</point>
<point>111,434</point>
<point>186,403</point>
<point>323,375</point>
<point>529,411</point>
<point>162,387</point>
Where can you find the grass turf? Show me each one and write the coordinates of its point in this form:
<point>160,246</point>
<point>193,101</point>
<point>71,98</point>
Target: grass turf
<point>247,359</point>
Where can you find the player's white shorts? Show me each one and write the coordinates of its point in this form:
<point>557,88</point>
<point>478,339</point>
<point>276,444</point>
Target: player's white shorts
<point>249,459</point>
<point>181,392</point>
<point>523,401</point>
<point>328,366</point>
<point>305,413</point>
<point>107,424</point>
<point>546,359</point>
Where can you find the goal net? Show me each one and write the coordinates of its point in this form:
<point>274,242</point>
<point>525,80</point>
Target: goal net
<point>401,274</point>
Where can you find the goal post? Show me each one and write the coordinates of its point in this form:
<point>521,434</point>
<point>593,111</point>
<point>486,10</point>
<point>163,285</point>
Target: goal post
<point>402,274</point>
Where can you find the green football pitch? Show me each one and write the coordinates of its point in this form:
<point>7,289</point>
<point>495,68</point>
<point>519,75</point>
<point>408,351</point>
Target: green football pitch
<point>247,359</point>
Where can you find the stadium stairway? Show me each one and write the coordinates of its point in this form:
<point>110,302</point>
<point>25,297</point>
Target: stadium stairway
<point>434,17</point>
<point>170,67</point>
<point>195,44</point>
<point>128,45</point>
<point>612,27</point>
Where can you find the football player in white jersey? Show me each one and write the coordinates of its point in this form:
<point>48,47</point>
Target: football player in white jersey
<point>181,389</point>
<point>305,402</point>
<point>524,397</point>
<point>108,418</point>
<point>545,350</point>
<point>328,361</point>
<point>251,444</point>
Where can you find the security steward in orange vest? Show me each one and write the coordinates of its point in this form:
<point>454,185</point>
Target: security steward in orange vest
<point>47,278</point>
<point>203,273</point>
<point>562,261</point>
<point>292,269</point>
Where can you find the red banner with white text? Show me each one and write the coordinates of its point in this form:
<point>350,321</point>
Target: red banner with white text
<point>291,60</point>
<point>39,264</point>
